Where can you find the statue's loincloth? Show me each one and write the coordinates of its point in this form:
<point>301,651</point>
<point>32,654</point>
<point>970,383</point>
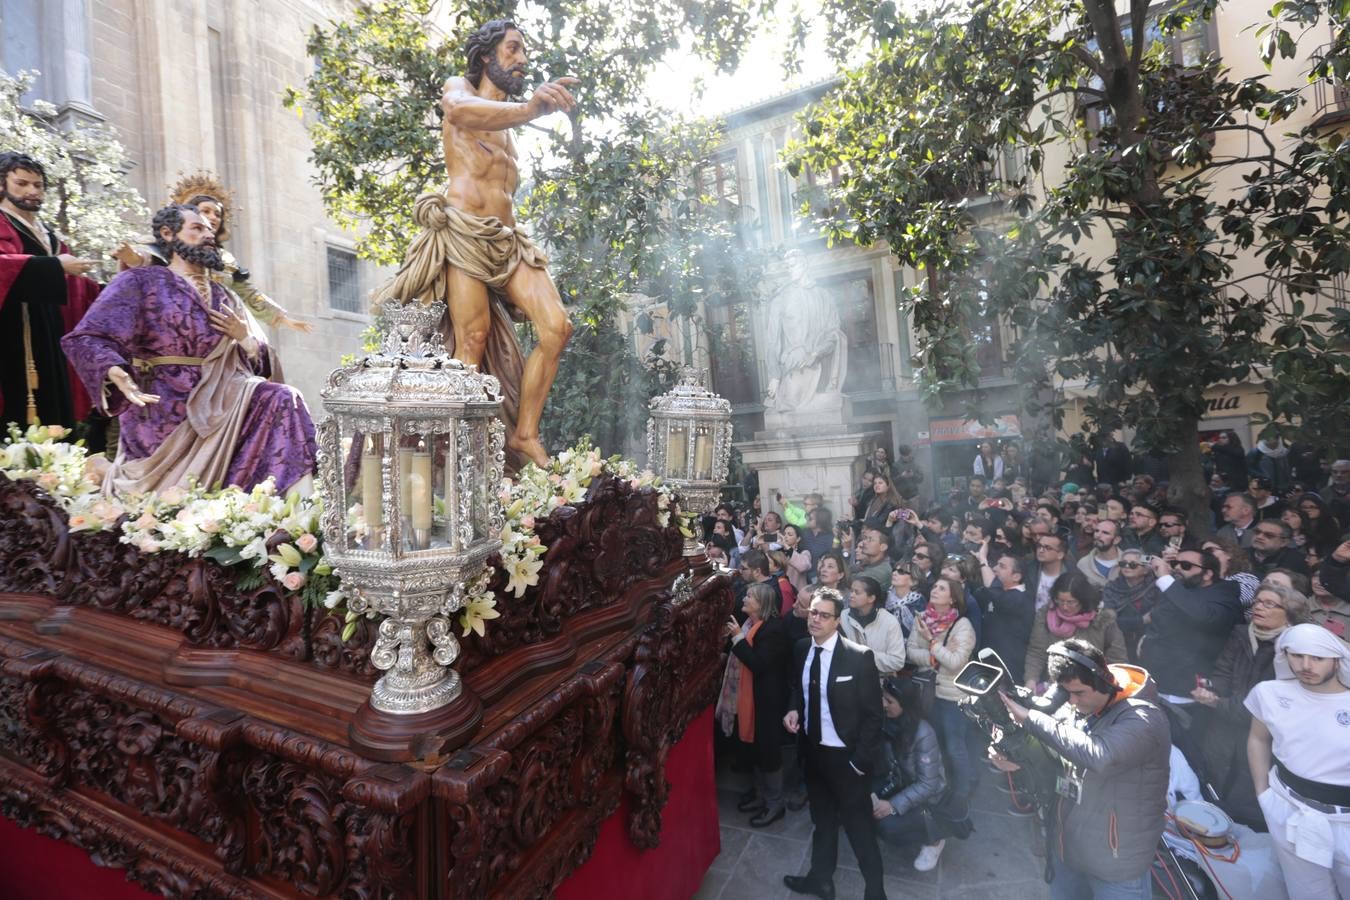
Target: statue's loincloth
<point>484,248</point>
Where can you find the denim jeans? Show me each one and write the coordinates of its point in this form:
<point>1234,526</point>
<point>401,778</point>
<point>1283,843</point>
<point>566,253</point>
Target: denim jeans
<point>953,729</point>
<point>1070,884</point>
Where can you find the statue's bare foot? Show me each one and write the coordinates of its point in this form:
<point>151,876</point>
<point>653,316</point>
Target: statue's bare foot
<point>530,448</point>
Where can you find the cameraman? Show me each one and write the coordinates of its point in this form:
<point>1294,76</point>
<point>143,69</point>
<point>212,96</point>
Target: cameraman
<point>1113,743</point>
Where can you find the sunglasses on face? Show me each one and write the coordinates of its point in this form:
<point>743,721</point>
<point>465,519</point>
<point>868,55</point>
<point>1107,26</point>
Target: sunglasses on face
<point>1187,566</point>
<point>1132,565</point>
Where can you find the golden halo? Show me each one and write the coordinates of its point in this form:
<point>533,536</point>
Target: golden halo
<point>206,183</point>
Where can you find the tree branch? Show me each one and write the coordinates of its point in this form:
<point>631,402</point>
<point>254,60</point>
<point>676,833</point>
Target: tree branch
<point>1138,19</point>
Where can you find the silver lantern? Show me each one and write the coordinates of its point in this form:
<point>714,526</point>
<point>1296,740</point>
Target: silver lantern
<point>410,462</point>
<point>689,443</point>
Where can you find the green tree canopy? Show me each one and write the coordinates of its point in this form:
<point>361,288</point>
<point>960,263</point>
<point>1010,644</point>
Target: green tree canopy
<point>1076,121</point>
<point>609,191</point>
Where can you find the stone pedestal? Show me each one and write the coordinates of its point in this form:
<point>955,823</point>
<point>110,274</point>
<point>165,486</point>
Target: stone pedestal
<point>802,461</point>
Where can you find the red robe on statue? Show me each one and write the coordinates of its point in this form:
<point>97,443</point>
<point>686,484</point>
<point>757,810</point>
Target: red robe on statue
<point>56,302</point>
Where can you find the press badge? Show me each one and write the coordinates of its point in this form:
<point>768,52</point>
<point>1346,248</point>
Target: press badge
<point>1067,786</point>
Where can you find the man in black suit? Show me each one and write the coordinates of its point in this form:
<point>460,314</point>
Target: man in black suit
<point>836,714</point>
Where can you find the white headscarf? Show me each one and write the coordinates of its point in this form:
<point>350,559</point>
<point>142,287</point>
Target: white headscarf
<point>1311,640</point>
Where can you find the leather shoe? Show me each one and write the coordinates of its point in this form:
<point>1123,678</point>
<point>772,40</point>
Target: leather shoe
<point>767,817</point>
<point>751,803</point>
<point>804,884</point>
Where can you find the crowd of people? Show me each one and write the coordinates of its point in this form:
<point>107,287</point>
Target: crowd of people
<point>1206,653</point>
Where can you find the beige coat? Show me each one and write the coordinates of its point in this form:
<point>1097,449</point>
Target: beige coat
<point>951,657</point>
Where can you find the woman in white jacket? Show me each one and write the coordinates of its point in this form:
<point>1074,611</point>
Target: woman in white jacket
<point>868,623</point>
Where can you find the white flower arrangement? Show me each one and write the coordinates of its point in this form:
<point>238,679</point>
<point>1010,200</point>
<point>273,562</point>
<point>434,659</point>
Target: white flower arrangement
<point>233,527</point>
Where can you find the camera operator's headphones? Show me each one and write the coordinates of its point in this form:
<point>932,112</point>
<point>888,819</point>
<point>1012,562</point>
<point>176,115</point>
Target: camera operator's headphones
<point>1100,677</point>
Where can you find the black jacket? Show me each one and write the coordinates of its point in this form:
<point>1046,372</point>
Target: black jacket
<point>853,689</point>
<point>1187,629</point>
<point>1114,464</point>
<point>1006,620</point>
<point>1237,670</point>
<point>768,661</point>
<point>1286,558</point>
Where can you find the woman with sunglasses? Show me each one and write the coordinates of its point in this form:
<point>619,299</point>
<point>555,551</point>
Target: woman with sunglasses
<point>1247,658</point>
<point>902,599</point>
<point>1131,595</point>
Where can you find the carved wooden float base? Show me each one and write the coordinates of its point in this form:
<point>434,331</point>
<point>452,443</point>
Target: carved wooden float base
<point>390,737</point>
<point>217,743</point>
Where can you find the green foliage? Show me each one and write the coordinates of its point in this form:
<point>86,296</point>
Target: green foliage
<point>1110,138</point>
<point>88,201</point>
<point>608,192</point>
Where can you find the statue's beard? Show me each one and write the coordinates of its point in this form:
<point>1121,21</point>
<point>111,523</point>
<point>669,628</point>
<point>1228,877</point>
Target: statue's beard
<point>203,254</point>
<point>511,84</point>
<point>25,205</point>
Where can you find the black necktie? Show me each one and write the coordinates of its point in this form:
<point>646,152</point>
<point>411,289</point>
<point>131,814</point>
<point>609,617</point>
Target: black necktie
<point>813,698</point>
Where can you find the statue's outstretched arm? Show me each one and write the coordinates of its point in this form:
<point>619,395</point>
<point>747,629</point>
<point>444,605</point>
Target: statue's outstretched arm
<point>465,109</point>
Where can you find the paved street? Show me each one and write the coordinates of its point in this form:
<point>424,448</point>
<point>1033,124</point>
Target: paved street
<point>994,862</point>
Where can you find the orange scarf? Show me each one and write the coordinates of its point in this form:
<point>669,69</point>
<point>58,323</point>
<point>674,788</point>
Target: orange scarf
<point>745,697</point>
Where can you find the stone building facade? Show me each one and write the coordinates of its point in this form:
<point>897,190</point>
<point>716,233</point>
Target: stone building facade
<point>192,84</point>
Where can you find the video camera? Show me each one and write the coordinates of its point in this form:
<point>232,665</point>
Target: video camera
<point>981,680</point>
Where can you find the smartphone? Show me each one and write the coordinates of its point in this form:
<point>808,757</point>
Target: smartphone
<point>1203,682</point>
<point>1174,543</point>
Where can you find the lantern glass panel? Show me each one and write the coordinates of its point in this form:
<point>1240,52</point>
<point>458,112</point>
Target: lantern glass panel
<point>366,525</point>
<point>482,491</point>
<point>677,452</point>
<point>703,454</point>
<point>414,473</point>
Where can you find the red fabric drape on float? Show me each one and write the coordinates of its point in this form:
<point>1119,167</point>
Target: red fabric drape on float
<point>33,867</point>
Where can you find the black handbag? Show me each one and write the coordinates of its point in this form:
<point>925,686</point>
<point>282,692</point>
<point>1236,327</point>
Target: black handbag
<point>926,681</point>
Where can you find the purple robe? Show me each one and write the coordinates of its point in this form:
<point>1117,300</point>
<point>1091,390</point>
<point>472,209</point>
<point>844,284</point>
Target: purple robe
<point>151,311</point>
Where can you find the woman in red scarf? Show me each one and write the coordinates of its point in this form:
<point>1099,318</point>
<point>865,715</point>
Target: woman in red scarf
<point>1075,610</point>
<point>754,699</point>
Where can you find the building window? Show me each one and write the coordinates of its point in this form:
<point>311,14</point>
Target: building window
<point>344,281</point>
<point>719,179</point>
<point>1186,48</point>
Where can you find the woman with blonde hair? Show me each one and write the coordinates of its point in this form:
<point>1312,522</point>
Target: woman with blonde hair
<point>754,698</point>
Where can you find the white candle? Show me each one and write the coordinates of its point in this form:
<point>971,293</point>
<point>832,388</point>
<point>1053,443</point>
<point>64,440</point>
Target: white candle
<point>677,453</point>
<point>372,504</point>
<point>703,455</point>
<point>419,484</point>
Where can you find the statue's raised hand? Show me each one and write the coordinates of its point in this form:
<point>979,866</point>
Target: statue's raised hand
<point>552,96</point>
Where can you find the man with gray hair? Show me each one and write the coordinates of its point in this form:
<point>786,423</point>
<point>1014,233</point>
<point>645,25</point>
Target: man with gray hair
<point>1338,491</point>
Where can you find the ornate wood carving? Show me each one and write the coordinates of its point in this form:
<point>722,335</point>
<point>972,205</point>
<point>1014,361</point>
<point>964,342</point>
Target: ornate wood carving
<point>196,735</point>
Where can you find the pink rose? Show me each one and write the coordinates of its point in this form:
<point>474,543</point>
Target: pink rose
<point>56,432</point>
<point>307,543</point>
<point>77,522</point>
<point>48,480</point>
<point>596,466</point>
<point>210,526</point>
<point>527,522</point>
<point>293,581</point>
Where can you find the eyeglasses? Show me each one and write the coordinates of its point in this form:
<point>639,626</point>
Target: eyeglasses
<point>1131,565</point>
<point>1186,566</point>
<point>819,614</point>
<point>1047,547</point>
<point>1267,604</point>
<point>903,570</point>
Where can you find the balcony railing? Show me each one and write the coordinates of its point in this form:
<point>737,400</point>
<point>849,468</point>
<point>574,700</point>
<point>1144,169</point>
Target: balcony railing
<point>1331,102</point>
